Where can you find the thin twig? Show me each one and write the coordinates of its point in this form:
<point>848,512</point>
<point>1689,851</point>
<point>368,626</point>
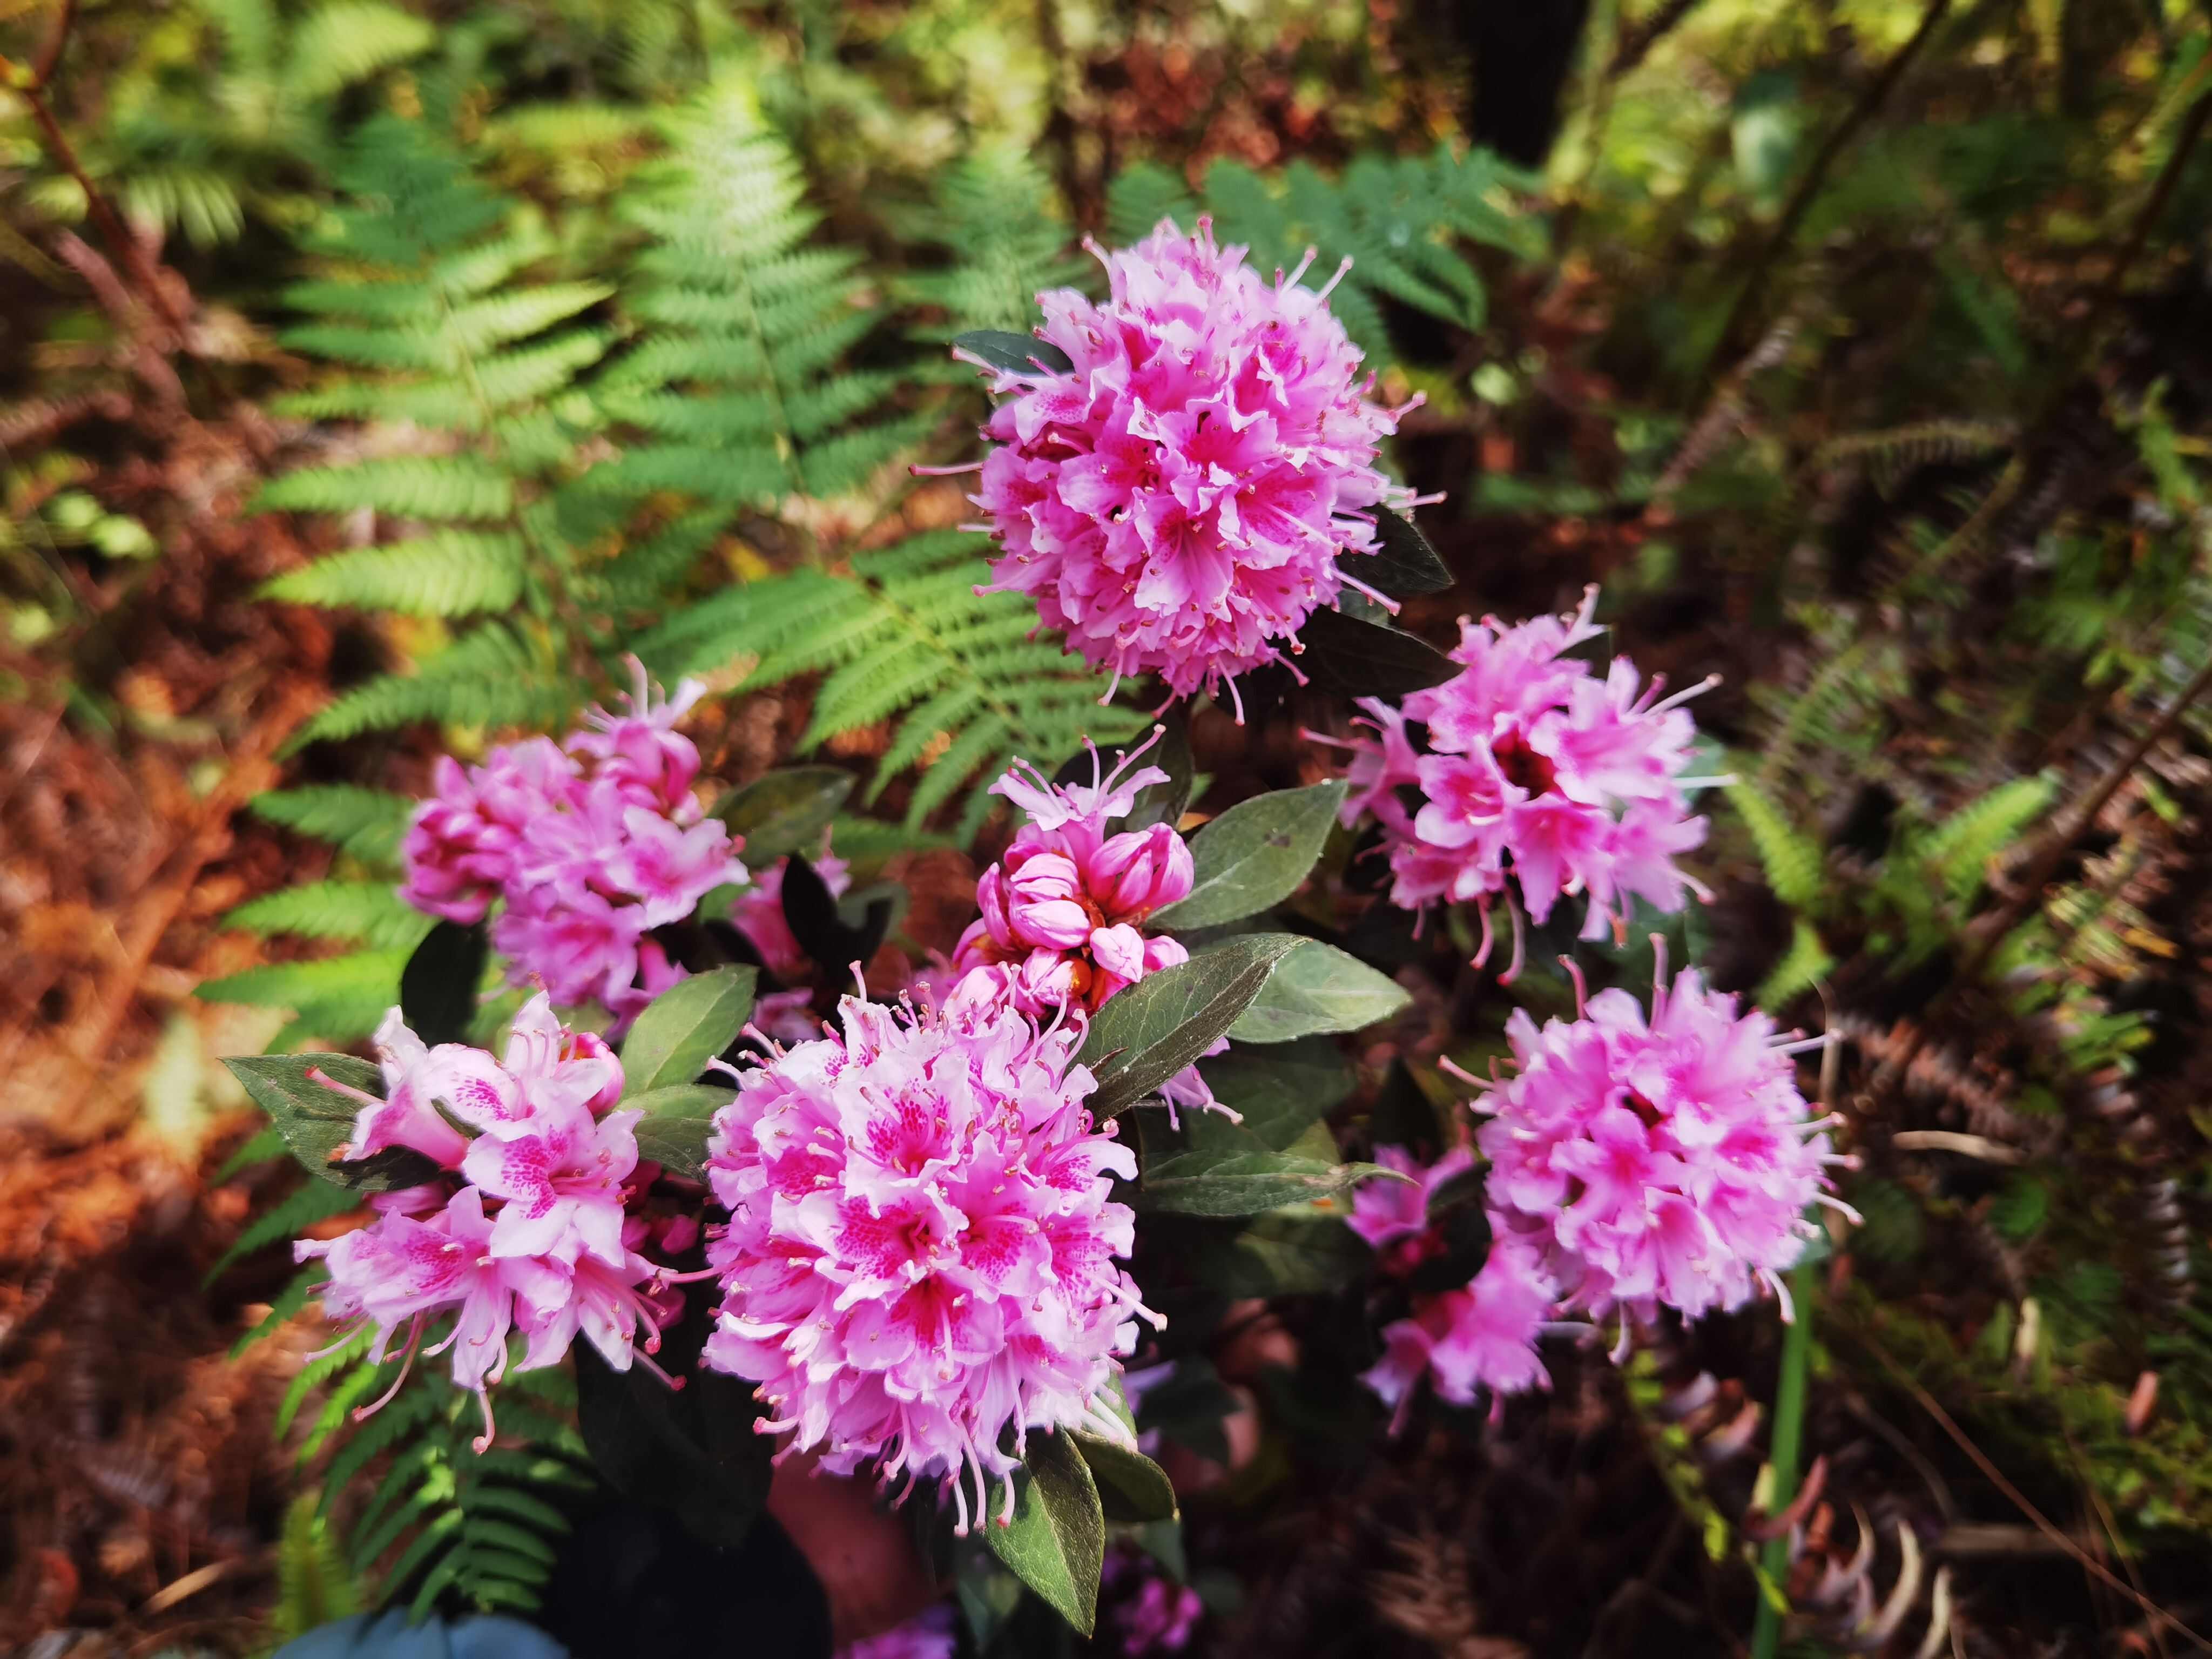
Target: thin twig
<point>1809,186</point>
<point>2153,207</point>
<point>1635,44</point>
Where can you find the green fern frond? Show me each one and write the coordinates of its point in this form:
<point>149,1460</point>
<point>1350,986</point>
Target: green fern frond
<point>995,213</point>
<point>366,823</point>
<point>1791,859</point>
<point>737,391</point>
<point>343,42</point>
<point>314,1586</point>
<point>339,997</point>
<point>371,911</point>
<point>312,1201</point>
<point>905,634</point>
<point>1957,852</point>
<point>492,677</point>
<point>1800,969</point>
<point>449,572</point>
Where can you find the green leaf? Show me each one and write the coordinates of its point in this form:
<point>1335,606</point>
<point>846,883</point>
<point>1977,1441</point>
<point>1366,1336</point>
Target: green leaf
<point>684,1027</point>
<point>1057,1542</point>
<point>1285,1254</point>
<point>1236,1183</point>
<point>1157,1027</point>
<point>1019,353</point>
<point>316,1120</point>
<point>438,986</point>
<point>1406,565</point>
<point>785,812</point>
<point>1253,855</point>
<point>674,1131</point>
<point>1132,1488</point>
<point>1355,659</point>
<point>1279,1091</point>
<point>1319,988</point>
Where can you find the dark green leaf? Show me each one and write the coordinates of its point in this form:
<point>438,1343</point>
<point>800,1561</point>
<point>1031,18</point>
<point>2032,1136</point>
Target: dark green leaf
<point>438,986</point>
<point>1018,353</point>
<point>1150,1031</point>
<point>1285,1255</point>
<point>1132,1488</point>
<point>1319,988</point>
<point>684,1027</point>
<point>1278,1092</point>
<point>674,1131</point>
<point>1254,855</point>
<point>1407,565</point>
<point>317,1120</point>
<point>1057,1543</point>
<point>1357,658</point>
<point>1233,1183</point>
<point>784,811</point>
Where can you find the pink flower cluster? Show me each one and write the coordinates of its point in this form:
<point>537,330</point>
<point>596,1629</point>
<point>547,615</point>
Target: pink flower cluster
<point>526,1227</point>
<point>1064,908</point>
<point>919,1254</point>
<point>1663,1161</point>
<point>1534,767</point>
<point>1393,1216</point>
<point>1481,1337</point>
<point>591,843</point>
<point>1177,501</point>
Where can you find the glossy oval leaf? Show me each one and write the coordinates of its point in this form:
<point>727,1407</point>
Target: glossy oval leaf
<point>1237,1183</point>
<point>684,1027</point>
<point>1150,1031</point>
<point>1057,1544</point>
<point>317,1120</point>
<point>1405,565</point>
<point>1253,855</point>
<point>1132,1488</point>
<point>1017,354</point>
<point>1357,658</point>
<point>1318,989</point>
<point>438,986</point>
<point>784,811</point>
<point>677,1120</point>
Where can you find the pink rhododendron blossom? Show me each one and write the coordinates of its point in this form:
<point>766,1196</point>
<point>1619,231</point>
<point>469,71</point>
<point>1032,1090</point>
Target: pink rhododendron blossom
<point>926,1636</point>
<point>920,1257</point>
<point>1535,768</point>
<point>590,843</point>
<point>1669,1160</point>
<point>1481,1337</point>
<point>1178,501</point>
<point>1064,907</point>
<point>1393,1216</point>
<point>526,1226</point>
<point>758,914</point>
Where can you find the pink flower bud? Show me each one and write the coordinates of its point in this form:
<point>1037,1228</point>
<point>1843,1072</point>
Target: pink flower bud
<point>1139,871</point>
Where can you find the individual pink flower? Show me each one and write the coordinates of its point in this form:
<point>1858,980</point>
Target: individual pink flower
<point>589,844</point>
<point>1481,1337</point>
<point>525,1227</point>
<point>758,912</point>
<point>919,1267</point>
<point>1393,1216</point>
<point>1535,771</point>
<point>927,1635</point>
<point>1669,1161</point>
<point>1178,501</point>
<point>1064,908</point>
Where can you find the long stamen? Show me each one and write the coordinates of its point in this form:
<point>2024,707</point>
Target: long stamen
<point>362,1414</point>
<point>482,1444</point>
<point>1582,988</point>
<point>1519,944</point>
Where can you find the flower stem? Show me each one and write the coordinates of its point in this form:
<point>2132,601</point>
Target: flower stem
<point>1783,1457</point>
